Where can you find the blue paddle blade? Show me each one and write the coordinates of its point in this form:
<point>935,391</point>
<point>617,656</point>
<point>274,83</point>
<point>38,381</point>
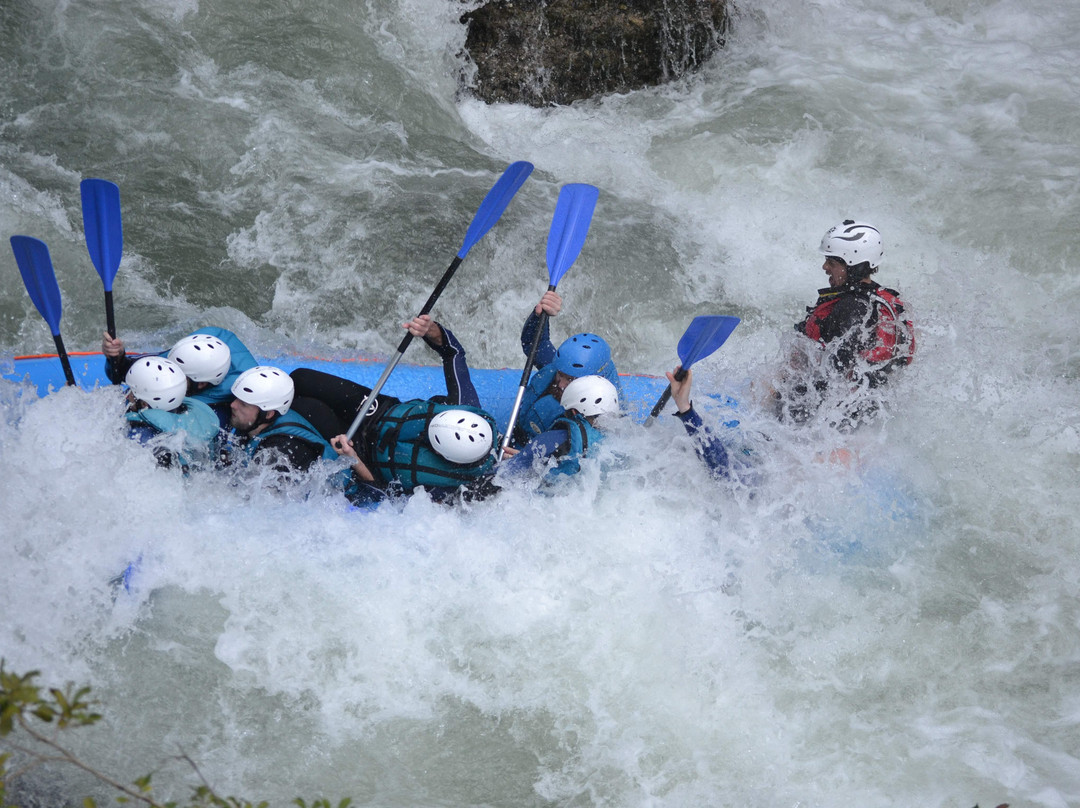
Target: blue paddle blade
<point>495,203</point>
<point>36,267</point>
<point>703,336</point>
<point>101,223</point>
<point>569,226</point>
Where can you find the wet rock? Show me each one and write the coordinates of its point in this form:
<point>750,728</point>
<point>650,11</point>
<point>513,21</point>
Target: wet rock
<point>560,51</point>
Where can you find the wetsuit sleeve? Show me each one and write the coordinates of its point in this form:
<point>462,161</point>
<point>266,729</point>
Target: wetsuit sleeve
<point>545,352</point>
<point>459,386</point>
<point>707,445</point>
<point>116,367</point>
<point>553,443</point>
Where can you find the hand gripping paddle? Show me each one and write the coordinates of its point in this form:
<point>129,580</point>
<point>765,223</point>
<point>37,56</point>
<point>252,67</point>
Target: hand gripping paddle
<point>489,212</point>
<point>703,336</point>
<point>569,226</point>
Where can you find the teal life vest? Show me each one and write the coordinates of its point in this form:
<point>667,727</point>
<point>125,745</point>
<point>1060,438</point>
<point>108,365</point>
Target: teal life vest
<point>240,359</point>
<point>292,423</point>
<point>401,453</point>
<point>582,436</point>
<point>193,420</point>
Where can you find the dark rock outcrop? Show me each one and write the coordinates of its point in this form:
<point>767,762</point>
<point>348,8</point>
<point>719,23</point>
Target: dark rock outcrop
<point>555,52</point>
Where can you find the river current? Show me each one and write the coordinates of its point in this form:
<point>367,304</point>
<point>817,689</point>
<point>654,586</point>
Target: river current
<point>905,633</point>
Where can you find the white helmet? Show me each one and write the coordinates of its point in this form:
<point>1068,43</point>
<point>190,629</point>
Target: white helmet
<point>158,381</point>
<point>266,387</point>
<point>203,357</point>
<point>591,395</point>
<point>853,242</point>
<point>460,436</point>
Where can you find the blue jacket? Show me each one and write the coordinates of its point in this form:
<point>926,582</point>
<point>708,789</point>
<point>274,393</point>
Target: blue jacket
<point>539,407</point>
<point>567,441</point>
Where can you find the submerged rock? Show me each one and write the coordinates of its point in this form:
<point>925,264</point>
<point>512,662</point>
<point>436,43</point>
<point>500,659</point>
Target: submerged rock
<point>559,51</point>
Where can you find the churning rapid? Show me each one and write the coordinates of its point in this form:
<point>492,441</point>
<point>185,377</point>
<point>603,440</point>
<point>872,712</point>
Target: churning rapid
<point>902,633</point>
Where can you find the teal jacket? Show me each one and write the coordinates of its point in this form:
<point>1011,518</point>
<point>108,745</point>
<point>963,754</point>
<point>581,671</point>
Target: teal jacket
<point>194,420</point>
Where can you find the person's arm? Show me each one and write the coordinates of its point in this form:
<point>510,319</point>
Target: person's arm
<point>117,363</point>
<point>344,447</point>
<point>707,445</point>
<point>547,444</point>
<point>551,304</point>
<point>360,488</point>
<point>459,386</point>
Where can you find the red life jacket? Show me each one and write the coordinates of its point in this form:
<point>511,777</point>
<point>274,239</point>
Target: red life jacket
<point>893,339</point>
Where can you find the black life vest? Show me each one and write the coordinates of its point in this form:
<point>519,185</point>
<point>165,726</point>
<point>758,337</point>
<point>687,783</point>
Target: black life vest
<point>893,338</point>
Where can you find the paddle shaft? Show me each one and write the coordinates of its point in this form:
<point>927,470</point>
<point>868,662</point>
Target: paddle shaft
<point>525,377</point>
<point>680,374</point>
<point>62,352</point>
<point>491,208</point>
<point>406,340</point>
<point>110,318</point>
<point>39,278</point>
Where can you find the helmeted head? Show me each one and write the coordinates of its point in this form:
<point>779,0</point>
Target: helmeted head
<point>460,436</point>
<point>591,395</point>
<point>265,387</point>
<point>582,355</point>
<point>855,244</point>
<point>203,357</point>
<point>158,382</point>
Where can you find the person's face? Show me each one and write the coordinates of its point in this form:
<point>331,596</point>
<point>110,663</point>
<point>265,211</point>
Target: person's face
<point>561,380</point>
<point>242,415</point>
<point>836,270</point>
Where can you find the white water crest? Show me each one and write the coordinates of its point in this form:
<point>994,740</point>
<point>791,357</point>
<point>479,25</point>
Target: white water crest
<point>904,633</point>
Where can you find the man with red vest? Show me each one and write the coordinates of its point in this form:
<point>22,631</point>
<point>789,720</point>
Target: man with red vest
<point>859,324</point>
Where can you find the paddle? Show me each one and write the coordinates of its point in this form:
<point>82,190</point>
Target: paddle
<point>569,226</point>
<point>104,236</point>
<point>38,276</point>
<point>488,213</point>
<point>703,336</point>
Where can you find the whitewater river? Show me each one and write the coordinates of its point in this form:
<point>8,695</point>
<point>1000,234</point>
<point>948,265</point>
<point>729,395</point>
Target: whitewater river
<point>903,633</point>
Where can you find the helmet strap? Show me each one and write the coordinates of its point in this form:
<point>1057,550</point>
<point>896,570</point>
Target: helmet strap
<point>263,418</point>
<point>859,272</point>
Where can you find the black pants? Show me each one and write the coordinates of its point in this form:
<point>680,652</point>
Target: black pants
<point>333,402</point>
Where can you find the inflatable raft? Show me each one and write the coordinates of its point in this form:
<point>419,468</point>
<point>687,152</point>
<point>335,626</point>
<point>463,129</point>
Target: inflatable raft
<point>496,387</point>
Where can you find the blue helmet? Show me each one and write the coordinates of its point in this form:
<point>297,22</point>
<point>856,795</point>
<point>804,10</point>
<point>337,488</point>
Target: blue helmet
<point>582,355</point>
